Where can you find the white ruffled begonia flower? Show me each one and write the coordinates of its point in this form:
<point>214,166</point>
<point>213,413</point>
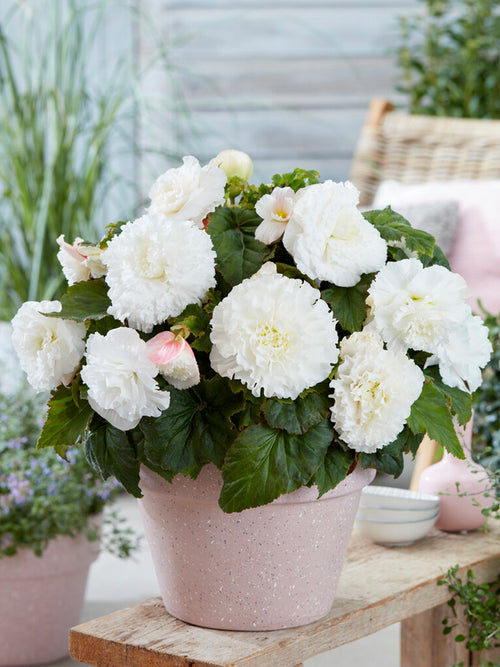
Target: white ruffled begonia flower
<point>275,210</point>
<point>121,379</point>
<point>374,390</point>
<point>50,349</point>
<point>156,267</point>
<point>175,359</point>
<point>413,307</point>
<point>274,334</point>
<point>189,192</point>
<point>463,354</point>
<point>329,238</point>
<point>80,261</point>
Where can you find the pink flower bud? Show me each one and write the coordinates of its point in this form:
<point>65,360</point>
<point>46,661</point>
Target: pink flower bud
<point>175,359</point>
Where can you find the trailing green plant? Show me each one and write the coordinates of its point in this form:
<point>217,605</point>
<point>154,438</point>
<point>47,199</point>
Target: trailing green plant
<point>481,606</point>
<point>486,403</point>
<point>30,481</point>
<point>449,59</point>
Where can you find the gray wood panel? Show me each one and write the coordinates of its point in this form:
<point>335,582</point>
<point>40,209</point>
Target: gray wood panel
<point>269,32</point>
<point>296,83</point>
<point>289,82</point>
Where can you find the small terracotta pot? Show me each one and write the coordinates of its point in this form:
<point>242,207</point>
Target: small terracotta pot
<point>266,568</point>
<point>41,598</point>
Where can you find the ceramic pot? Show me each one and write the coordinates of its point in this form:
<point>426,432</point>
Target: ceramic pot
<point>41,599</point>
<point>266,568</point>
<point>461,485</point>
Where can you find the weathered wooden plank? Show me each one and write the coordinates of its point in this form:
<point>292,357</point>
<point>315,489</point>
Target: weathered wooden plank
<point>424,645</point>
<point>286,4</point>
<point>269,32</point>
<point>379,586</point>
<point>281,133</point>
<point>297,83</point>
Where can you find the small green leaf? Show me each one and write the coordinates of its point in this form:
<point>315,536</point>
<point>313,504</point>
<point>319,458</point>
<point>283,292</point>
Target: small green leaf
<point>333,468</point>
<point>430,414</point>
<point>299,415</point>
<point>296,179</point>
<point>388,459</point>
<point>239,253</point>
<point>66,420</point>
<point>349,303</point>
<point>197,321</point>
<point>85,300</point>
<point>263,463</point>
<point>459,401</point>
<point>111,452</point>
<point>393,227</point>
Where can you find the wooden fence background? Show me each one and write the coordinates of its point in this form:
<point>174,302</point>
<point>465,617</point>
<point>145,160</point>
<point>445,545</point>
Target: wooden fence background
<point>288,81</point>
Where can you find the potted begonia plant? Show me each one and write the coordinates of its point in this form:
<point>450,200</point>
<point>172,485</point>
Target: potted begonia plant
<point>269,343</point>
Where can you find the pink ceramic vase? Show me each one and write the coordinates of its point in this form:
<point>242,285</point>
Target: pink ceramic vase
<point>41,598</point>
<point>461,485</point>
<point>266,568</point>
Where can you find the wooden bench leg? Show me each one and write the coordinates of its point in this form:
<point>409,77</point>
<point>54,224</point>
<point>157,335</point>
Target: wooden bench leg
<point>424,645</point>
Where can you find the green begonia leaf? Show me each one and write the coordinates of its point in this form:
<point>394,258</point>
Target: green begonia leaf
<point>333,468</point>
<point>195,429</point>
<point>66,420</point>
<point>430,414</point>
<point>263,463</point>
<point>389,459</point>
<point>85,300</point>
<point>299,415</point>
<point>239,253</point>
<point>393,227</point>
<point>459,401</point>
<point>111,452</point>
<point>349,303</point>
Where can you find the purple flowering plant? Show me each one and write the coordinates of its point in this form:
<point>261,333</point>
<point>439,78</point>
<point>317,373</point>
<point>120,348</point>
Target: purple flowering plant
<point>30,481</point>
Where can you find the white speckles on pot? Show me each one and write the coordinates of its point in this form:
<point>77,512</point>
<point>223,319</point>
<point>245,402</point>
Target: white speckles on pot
<point>266,568</point>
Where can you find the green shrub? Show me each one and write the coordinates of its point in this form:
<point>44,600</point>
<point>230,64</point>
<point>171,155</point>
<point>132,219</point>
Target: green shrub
<point>449,59</point>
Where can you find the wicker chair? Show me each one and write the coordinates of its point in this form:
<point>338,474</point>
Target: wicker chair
<point>413,149</point>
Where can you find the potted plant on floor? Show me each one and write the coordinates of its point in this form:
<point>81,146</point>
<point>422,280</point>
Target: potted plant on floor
<point>256,346</point>
<point>51,528</point>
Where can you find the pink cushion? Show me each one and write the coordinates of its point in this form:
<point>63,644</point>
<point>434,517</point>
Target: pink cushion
<point>475,252</point>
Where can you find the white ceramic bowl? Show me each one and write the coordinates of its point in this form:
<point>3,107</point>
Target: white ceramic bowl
<point>391,497</point>
<point>396,514</point>
<point>392,533</point>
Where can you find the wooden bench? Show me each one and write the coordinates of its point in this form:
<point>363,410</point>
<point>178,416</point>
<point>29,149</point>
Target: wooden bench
<point>379,586</point>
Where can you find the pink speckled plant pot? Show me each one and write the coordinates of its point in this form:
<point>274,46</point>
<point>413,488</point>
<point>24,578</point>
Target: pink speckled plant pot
<point>266,568</point>
<point>41,598</point>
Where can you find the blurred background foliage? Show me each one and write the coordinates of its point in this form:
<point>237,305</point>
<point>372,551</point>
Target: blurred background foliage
<point>449,59</point>
<point>69,144</point>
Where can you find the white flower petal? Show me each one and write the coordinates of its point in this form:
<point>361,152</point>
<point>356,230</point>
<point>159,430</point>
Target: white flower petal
<point>121,379</point>
<point>275,210</point>
<point>463,354</point>
<point>275,335</point>
<point>49,348</point>
<point>374,390</point>
<point>189,192</point>
<point>328,237</point>
<point>150,275</point>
